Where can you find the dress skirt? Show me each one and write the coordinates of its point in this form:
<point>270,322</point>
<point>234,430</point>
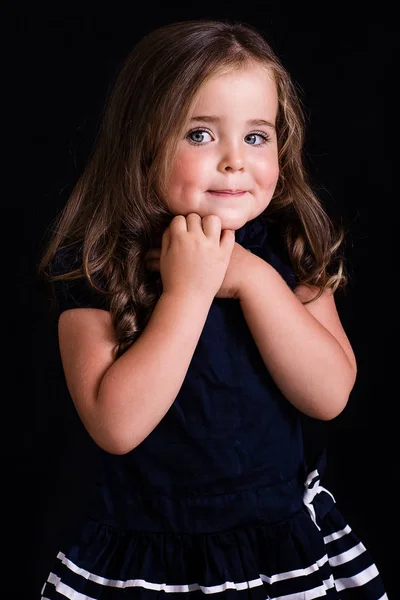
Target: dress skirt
<point>312,553</point>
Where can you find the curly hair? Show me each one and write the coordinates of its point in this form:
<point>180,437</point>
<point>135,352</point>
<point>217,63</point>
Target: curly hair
<point>116,210</point>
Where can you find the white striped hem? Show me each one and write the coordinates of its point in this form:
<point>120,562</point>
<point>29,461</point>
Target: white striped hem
<point>296,573</point>
<point>192,587</point>
<point>348,555</point>
<point>318,592</point>
<point>238,586</point>
<point>357,580</point>
<point>361,578</point>
<point>71,594</point>
<point>65,590</point>
<point>337,534</point>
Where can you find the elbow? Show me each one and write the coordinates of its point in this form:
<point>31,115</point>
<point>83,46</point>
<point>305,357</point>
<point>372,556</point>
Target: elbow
<point>330,409</point>
<point>336,400</point>
<point>343,396</point>
<point>116,449</point>
<point>331,413</point>
<point>110,430</point>
<point>114,446</point>
<point>113,441</point>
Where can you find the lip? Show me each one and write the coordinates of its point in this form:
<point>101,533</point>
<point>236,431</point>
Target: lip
<point>227,192</point>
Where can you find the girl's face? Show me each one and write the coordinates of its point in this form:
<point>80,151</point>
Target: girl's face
<point>227,162</point>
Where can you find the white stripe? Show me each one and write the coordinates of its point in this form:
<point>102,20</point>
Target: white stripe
<point>347,556</point>
<point>384,597</point>
<point>344,583</point>
<point>117,583</point>
<point>44,598</point>
<point>311,594</point>
<point>338,534</point>
<point>296,573</point>
<point>317,592</point>
<point>357,580</point>
<point>65,590</point>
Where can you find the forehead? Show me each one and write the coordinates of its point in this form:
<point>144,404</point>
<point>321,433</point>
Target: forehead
<point>245,90</point>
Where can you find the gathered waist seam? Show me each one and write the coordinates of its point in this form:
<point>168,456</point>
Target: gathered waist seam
<point>149,492</point>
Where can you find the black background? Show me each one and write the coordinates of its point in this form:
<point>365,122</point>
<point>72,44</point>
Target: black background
<point>61,64</point>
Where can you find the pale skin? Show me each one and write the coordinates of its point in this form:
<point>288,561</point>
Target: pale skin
<point>304,347</point>
<point>230,145</point>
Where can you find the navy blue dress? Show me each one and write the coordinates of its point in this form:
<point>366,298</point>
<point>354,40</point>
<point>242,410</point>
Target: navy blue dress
<point>218,499</point>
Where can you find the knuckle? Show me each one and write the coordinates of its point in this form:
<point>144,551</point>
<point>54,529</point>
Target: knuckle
<point>213,218</point>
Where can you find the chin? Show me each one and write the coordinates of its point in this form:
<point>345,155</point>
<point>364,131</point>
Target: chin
<point>235,221</point>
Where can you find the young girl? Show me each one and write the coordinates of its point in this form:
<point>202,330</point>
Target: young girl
<point>194,270</point>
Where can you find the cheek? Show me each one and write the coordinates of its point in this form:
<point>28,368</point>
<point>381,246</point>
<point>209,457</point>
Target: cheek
<point>274,174</point>
<point>268,172</point>
<point>187,170</point>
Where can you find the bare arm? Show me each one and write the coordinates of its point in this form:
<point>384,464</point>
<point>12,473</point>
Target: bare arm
<point>120,402</point>
<point>303,346</point>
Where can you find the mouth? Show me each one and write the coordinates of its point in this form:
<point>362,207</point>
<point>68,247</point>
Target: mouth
<point>227,193</point>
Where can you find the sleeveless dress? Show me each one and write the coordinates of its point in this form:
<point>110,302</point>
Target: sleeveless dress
<point>218,499</point>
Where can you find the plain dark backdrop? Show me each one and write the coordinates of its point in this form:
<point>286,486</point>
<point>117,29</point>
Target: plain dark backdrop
<point>61,67</point>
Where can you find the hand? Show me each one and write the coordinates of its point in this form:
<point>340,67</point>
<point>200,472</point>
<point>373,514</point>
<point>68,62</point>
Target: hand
<point>238,269</point>
<point>234,279</point>
<point>194,255</point>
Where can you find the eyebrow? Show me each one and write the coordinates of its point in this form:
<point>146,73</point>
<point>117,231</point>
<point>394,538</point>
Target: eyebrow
<point>214,119</point>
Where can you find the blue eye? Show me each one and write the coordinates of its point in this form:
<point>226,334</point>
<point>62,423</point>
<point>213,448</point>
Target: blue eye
<point>196,136</point>
<point>263,136</point>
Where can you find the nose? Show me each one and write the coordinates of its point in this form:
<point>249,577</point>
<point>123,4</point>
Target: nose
<point>232,158</point>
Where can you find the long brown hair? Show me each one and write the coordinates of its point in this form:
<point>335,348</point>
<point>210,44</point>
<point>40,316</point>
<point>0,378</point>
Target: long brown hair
<point>117,209</point>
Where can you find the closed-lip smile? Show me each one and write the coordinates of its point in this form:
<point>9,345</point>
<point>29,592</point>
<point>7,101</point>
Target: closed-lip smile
<point>227,191</point>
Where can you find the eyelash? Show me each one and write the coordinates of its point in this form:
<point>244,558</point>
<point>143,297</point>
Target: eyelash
<point>262,134</point>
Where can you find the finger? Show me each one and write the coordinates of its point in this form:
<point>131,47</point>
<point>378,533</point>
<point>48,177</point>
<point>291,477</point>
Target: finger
<point>212,226</point>
<point>193,221</point>
<point>178,223</point>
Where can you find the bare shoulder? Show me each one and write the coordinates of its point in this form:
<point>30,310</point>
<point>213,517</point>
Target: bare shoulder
<point>86,340</point>
<point>325,311</point>
<point>83,322</point>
